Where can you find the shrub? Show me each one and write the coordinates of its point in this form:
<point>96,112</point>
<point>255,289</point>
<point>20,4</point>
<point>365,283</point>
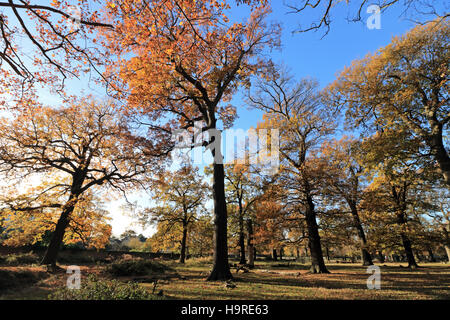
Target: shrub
<point>21,259</point>
<point>95,289</point>
<point>74,258</point>
<point>16,279</point>
<point>137,267</point>
<point>202,261</point>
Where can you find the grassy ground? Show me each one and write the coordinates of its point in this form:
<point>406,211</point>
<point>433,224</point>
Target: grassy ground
<point>269,280</point>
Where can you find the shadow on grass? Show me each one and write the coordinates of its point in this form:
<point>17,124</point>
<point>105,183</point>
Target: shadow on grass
<point>433,282</point>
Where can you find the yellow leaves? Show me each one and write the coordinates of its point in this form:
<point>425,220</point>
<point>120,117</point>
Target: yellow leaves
<point>184,42</point>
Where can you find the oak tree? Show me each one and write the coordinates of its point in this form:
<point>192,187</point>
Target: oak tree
<point>178,64</point>
<point>87,142</point>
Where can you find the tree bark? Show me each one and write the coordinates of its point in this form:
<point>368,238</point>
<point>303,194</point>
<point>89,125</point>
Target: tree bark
<point>250,247</point>
<point>366,257</point>
<point>381,256</point>
<point>52,251</point>
<point>400,198</point>
<point>241,239</point>
<point>407,243</point>
<point>445,231</point>
<point>431,254</point>
<point>408,251</point>
<point>221,267</point>
<point>438,150</point>
<point>183,244</point>
<point>274,254</point>
<point>447,250</point>
<point>317,262</point>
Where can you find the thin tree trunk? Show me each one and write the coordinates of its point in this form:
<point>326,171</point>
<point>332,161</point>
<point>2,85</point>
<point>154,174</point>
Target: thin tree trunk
<point>406,243</point>
<point>183,244</point>
<point>445,230</point>
<point>250,247</point>
<point>317,262</point>
<point>430,253</point>
<point>281,254</point>
<point>400,198</point>
<point>366,258</point>
<point>274,254</point>
<point>381,256</point>
<point>241,239</point>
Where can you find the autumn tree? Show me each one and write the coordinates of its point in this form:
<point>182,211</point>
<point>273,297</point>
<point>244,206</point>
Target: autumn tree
<point>401,179</point>
<point>345,177</point>
<point>337,232</point>
<point>269,223</point>
<point>295,108</point>
<point>181,197</point>
<point>179,63</point>
<point>242,191</point>
<point>404,83</point>
<point>88,226</point>
<point>201,236</point>
<point>46,43</point>
<point>431,211</point>
<point>86,142</point>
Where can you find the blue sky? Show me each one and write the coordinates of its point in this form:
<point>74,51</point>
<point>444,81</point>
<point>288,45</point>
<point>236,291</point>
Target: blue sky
<point>305,54</point>
<point>312,55</point>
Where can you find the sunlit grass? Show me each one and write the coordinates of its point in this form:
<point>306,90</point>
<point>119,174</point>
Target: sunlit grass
<point>274,280</point>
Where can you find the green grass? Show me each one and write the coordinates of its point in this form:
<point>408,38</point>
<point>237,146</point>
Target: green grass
<point>282,280</point>
<point>274,280</point>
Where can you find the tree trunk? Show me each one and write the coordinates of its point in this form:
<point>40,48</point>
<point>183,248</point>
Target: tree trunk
<point>183,244</point>
<point>430,253</point>
<point>447,250</point>
<point>52,251</point>
<point>406,242</point>
<point>438,150</point>
<point>381,256</point>
<point>241,239</point>
<point>281,254</point>
<point>317,262</point>
<point>221,267</point>
<point>408,251</point>
<point>400,198</point>
<point>445,231</point>
<point>274,254</point>
<point>250,247</point>
<point>366,258</point>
